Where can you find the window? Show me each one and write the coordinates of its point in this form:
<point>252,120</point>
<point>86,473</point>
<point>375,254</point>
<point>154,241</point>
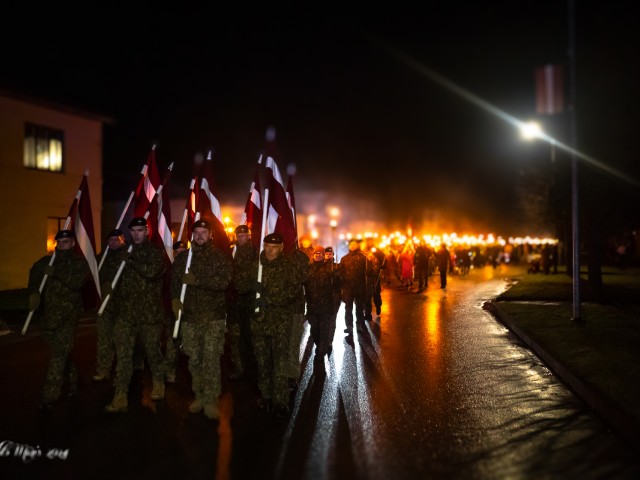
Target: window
<point>43,148</point>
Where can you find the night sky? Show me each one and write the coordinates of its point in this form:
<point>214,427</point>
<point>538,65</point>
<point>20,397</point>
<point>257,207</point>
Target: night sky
<point>349,115</point>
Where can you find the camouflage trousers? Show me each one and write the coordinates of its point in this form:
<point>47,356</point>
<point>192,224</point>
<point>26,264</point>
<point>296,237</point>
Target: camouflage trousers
<point>106,347</point>
<point>60,341</point>
<point>270,336</point>
<point>203,343</point>
<point>171,348</point>
<point>125,335</point>
<point>323,328</point>
<point>351,297</point>
<point>239,328</point>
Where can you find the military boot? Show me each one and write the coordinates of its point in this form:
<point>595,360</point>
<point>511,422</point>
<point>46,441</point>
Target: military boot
<point>157,393</point>
<point>119,403</point>
<point>196,406</point>
<point>211,411</point>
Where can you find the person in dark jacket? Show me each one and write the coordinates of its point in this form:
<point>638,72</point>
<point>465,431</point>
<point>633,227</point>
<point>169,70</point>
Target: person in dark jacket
<point>320,288</point>
<point>61,304</point>
<point>353,270</point>
<point>204,310</point>
<point>443,262</point>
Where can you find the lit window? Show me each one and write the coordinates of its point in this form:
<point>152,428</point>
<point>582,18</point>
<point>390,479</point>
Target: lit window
<point>43,148</point>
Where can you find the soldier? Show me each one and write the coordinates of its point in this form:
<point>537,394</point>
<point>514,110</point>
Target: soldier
<point>320,288</point>
<point>270,328</point>
<point>172,345</point>
<point>245,261</point>
<point>106,349</point>
<point>140,313</point>
<point>374,267</point>
<point>203,314</point>
<point>300,261</point>
<point>62,306</point>
<point>353,269</point>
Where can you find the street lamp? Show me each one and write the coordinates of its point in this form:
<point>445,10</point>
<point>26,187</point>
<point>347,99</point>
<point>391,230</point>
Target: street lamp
<point>532,130</point>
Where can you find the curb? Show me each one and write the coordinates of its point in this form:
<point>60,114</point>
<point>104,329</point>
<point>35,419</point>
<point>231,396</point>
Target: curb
<point>625,424</point>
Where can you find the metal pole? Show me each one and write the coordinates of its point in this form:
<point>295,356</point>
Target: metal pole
<point>574,164</point>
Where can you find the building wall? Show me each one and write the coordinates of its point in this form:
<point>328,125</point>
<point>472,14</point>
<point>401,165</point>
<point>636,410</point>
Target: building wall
<point>28,197</point>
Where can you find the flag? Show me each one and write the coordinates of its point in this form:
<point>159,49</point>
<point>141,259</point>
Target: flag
<point>190,209</point>
<point>252,215</point>
<point>279,215</point>
<point>81,222</point>
<point>292,205</point>
<point>549,89</point>
<point>209,206</point>
<point>159,207</point>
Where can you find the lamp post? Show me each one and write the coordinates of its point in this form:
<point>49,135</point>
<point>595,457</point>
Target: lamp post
<point>530,131</point>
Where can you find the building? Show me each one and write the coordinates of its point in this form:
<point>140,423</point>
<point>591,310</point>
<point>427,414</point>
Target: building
<point>45,149</point>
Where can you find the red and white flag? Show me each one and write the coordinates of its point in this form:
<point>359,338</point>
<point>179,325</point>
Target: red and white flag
<point>549,89</point>
<point>158,206</point>
<point>252,215</point>
<point>189,210</point>
<point>279,216</point>
<point>291,199</point>
<point>81,222</point>
<point>209,206</point>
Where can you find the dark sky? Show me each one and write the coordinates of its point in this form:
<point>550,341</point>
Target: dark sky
<point>349,115</point>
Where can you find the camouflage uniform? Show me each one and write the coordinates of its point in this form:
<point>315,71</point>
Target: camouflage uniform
<point>301,262</point>
<point>271,328</point>
<point>106,348</point>
<point>373,284</point>
<point>140,313</point>
<point>61,307</point>
<point>354,270</point>
<point>320,288</point>
<point>241,310</point>
<point>203,319</point>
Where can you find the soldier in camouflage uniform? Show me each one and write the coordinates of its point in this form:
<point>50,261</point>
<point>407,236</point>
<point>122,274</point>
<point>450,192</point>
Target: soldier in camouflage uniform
<point>61,308</point>
<point>245,261</point>
<point>373,284</point>
<point>300,260</point>
<point>354,271</point>
<point>320,288</point>
<point>106,349</point>
<point>271,327</point>
<point>203,314</point>
<point>139,313</point>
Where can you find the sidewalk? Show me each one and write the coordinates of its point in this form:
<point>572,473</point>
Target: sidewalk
<point>597,358</point>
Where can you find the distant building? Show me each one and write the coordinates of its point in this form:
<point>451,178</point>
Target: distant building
<point>45,148</point>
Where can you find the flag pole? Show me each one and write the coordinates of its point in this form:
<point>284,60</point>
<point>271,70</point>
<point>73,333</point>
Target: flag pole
<point>183,291</point>
<point>186,209</point>
<point>265,208</point>
<point>67,222</point>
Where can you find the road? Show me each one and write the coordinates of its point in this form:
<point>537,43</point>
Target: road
<point>434,388</point>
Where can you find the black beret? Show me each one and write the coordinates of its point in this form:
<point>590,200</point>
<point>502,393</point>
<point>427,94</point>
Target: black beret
<point>138,222</point>
<point>64,234</point>
<point>328,250</point>
<point>179,244</point>
<point>202,224</point>
<point>116,232</point>
<point>273,238</point>
<point>242,229</point>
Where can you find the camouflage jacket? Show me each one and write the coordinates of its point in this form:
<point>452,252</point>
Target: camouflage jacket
<point>138,294</point>
<point>300,260</point>
<point>206,300</point>
<point>322,288</point>
<point>355,270</point>
<point>61,299</point>
<point>279,285</point>
<point>245,264</point>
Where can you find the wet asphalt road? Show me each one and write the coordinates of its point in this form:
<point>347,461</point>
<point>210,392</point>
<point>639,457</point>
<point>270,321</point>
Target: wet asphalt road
<point>434,388</point>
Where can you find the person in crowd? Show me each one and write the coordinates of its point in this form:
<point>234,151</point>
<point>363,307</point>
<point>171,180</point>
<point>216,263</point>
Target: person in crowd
<point>381,259</point>
<point>140,313</point>
<point>110,261</point>
<point>61,305</point>
<point>204,309</point>
<point>245,261</point>
<point>172,345</point>
<point>353,271</point>
<point>443,262</point>
<point>421,262</point>
<point>405,261</point>
<point>320,289</point>
<point>391,263</point>
<point>373,284</point>
<point>329,258</point>
<point>300,261</point>
<point>270,328</point>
